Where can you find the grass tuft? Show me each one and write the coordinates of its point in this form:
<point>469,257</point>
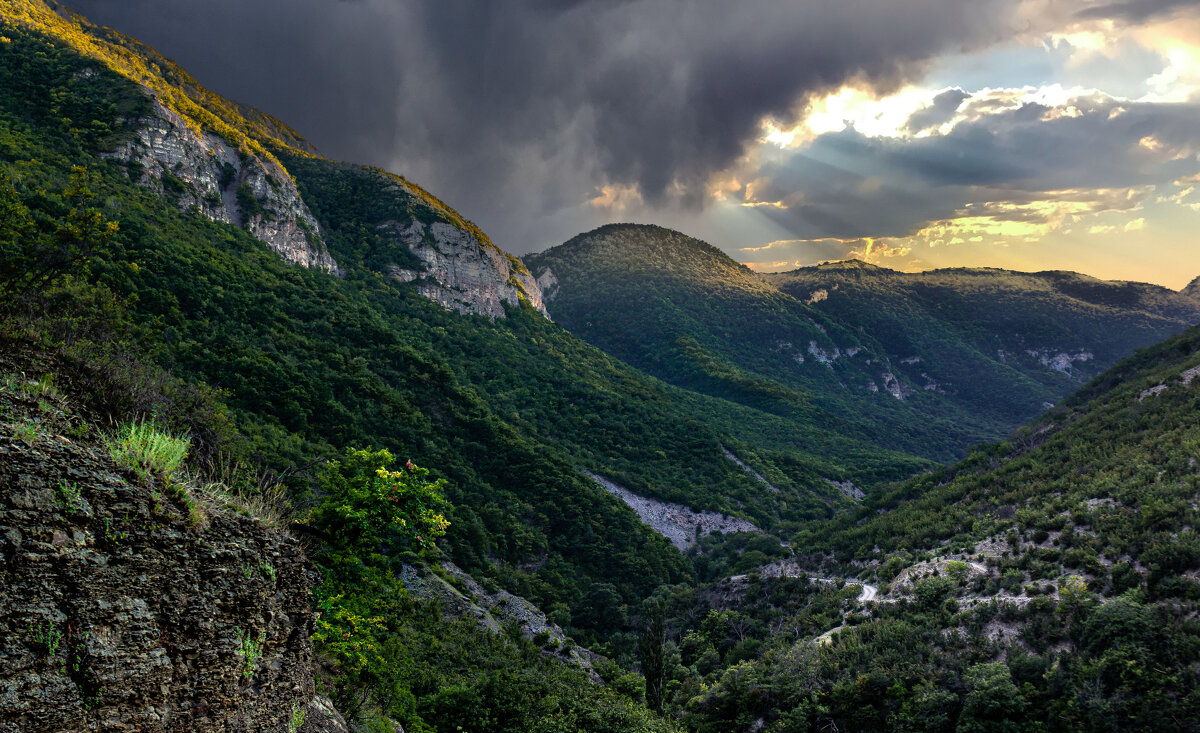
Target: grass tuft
<point>157,457</point>
<point>150,452</point>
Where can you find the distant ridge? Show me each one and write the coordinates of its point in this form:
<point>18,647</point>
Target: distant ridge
<point>925,362</point>
<point>1192,289</point>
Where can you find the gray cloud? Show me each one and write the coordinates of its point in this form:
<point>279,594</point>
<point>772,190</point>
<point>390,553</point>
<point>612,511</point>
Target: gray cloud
<point>516,112</point>
<point>851,186</point>
<point>939,112</point>
<point>1135,10</point>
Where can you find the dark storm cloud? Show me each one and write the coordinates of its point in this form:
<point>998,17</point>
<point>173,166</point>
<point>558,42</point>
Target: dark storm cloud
<point>940,111</point>
<point>515,110</point>
<point>1136,10</point>
<point>847,185</point>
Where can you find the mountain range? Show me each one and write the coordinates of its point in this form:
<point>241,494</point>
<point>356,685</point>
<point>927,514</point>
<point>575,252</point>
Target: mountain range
<point>927,363</point>
<point>666,477</point>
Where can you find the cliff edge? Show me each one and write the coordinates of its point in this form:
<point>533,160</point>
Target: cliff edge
<point>125,609</point>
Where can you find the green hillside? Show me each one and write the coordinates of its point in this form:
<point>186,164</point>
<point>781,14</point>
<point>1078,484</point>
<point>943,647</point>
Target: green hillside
<point>283,319</point>
<point>1054,329</point>
<point>1046,582</point>
<point>309,362</point>
<point>928,364</point>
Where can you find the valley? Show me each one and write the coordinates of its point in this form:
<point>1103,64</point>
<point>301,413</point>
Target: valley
<point>624,484</point>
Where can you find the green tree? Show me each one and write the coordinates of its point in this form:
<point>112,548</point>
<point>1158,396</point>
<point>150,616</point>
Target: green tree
<point>368,508</point>
<point>32,260</point>
<point>651,646</point>
<point>992,704</point>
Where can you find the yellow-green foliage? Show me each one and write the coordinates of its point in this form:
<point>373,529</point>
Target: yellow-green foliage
<point>201,109</point>
<point>439,206</point>
<point>149,451</point>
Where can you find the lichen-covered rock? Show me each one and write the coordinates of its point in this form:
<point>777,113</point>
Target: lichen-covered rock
<point>199,169</point>
<point>493,609</point>
<point>117,614</point>
<point>462,273</point>
<point>321,717</point>
<point>548,282</point>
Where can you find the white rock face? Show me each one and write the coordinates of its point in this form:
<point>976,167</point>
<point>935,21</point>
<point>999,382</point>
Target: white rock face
<point>1186,378</point>
<point>549,285</point>
<point>849,489</point>
<point>168,151</point>
<point>894,386</point>
<point>462,273</point>
<point>676,522</point>
<point>1060,361</point>
<point>823,356</point>
<point>1152,392</point>
<point>1189,375</point>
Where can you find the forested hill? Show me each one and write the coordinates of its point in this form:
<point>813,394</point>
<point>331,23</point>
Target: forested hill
<point>329,306</point>
<point>1049,581</point>
<point>1004,315</point>
<point>929,363</point>
<point>1192,290</point>
<point>214,320</point>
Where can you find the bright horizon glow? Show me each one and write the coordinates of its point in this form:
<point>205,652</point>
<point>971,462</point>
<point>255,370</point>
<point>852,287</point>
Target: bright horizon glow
<point>1143,231</point>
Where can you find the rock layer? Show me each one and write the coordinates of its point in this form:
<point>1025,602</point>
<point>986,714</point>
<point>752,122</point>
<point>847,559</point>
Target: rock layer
<point>677,523</point>
<point>119,615</point>
<point>201,170</point>
<point>462,273</point>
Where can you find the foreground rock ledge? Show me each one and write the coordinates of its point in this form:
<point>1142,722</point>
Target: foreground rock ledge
<point>119,616</point>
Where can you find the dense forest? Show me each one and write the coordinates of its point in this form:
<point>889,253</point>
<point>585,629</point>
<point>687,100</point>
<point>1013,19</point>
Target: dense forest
<point>1048,580</point>
<point>927,363</point>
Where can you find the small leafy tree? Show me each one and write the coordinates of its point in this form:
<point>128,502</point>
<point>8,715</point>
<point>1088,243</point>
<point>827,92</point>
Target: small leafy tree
<point>651,648</point>
<point>368,509</point>
<point>366,514</point>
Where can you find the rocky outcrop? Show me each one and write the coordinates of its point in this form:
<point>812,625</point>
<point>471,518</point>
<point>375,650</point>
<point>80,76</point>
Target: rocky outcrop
<point>1060,361</point>
<point>548,282</point>
<point>848,489</point>
<point>321,717</point>
<point>492,609</point>
<point>121,614</point>
<point>201,171</point>
<point>461,272</point>
<point>894,386</point>
<point>677,523</point>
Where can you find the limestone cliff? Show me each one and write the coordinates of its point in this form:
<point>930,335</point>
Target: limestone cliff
<point>200,169</point>
<point>120,614</point>
<point>461,272</point>
<point>413,237</point>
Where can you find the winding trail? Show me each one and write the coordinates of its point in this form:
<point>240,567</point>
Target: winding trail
<point>868,591</point>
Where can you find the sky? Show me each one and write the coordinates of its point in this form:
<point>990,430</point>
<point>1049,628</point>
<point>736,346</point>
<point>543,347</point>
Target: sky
<point>913,134</point>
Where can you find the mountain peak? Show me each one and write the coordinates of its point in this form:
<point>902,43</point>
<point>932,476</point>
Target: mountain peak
<point>646,248</point>
<point>1192,289</point>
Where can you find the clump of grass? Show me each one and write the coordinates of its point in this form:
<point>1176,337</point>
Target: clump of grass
<point>246,490</point>
<point>157,457</point>
<point>27,432</point>
<point>149,451</point>
<point>43,387</point>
